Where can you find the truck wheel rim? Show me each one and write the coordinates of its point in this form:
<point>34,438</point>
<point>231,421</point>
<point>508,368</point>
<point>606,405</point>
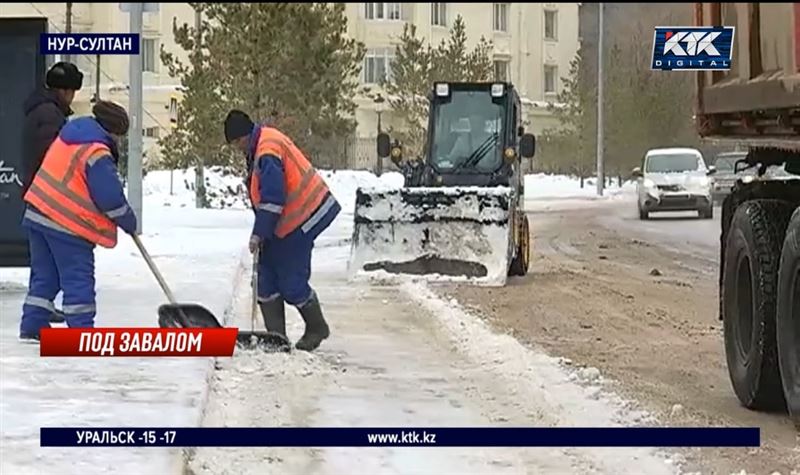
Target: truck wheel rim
<point>744,304</point>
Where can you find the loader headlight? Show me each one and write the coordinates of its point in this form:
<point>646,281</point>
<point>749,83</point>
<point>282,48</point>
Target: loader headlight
<point>442,89</point>
<point>497,90</point>
<point>396,152</point>
<point>510,154</point>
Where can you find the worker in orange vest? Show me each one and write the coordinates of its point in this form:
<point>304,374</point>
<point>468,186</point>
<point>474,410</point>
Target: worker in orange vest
<point>292,206</point>
<point>74,203</point>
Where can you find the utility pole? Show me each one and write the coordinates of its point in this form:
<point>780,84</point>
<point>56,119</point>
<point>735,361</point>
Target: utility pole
<point>600,172</point>
<point>199,171</point>
<point>68,57</point>
<point>135,106</point>
<point>97,79</point>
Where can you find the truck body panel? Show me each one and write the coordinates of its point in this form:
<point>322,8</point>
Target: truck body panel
<point>759,97</point>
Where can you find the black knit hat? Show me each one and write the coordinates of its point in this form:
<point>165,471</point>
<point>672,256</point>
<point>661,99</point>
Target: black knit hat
<point>111,117</point>
<point>64,75</point>
<point>237,125</point>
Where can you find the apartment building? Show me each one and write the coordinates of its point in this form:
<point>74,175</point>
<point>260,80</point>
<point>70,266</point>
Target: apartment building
<point>160,91</point>
<point>533,45</point>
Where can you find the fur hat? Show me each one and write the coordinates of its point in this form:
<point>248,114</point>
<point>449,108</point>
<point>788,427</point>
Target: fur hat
<point>111,117</point>
<point>64,75</point>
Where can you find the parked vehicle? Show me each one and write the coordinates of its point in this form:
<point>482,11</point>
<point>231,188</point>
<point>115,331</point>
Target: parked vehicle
<point>726,175</point>
<point>756,105</point>
<point>674,179</point>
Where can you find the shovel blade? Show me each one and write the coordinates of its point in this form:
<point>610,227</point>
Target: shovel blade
<point>186,315</point>
<point>264,340</point>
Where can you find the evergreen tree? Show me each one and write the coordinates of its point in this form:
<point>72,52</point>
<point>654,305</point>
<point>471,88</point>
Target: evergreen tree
<point>417,65</point>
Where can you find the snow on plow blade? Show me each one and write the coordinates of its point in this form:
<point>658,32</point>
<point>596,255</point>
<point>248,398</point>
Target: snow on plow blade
<point>455,234</point>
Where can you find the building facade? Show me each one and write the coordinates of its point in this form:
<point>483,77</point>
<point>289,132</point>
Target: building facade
<point>533,45</point>
<point>160,91</point>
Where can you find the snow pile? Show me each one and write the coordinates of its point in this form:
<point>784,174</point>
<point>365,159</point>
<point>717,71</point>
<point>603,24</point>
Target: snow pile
<point>544,186</point>
<point>344,183</point>
<point>426,204</point>
<point>563,396</point>
<point>224,188</point>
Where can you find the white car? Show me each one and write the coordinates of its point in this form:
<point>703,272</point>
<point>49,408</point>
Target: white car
<point>674,179</point>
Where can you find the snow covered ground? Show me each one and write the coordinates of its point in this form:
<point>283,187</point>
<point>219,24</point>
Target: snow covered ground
<point>413,358</point>
<point>200,254</point>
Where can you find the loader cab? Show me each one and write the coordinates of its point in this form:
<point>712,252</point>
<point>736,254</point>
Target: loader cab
<point>474,137</point>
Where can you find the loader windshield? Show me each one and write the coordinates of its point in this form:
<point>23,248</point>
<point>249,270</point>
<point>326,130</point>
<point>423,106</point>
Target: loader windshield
<point>467,133</point>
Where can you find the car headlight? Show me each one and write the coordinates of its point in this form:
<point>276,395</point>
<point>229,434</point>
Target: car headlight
<point>747,179</point>
<point>648,183</point>
<point>703,181</point>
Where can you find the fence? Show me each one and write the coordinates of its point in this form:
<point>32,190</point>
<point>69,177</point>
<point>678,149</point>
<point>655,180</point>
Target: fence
<point>351,153</point>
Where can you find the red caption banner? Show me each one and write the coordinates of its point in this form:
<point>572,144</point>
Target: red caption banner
<point>137,341</point>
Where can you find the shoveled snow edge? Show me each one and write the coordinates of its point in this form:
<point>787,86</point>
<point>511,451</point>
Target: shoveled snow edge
<point>184,456</point>
<point>603,407</point>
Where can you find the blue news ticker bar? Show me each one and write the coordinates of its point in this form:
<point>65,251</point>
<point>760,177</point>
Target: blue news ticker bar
<point>89,43</point>
<point>400,437</point>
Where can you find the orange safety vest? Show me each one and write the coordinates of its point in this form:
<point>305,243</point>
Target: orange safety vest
<point>304,187</point>
<point>60,192</point>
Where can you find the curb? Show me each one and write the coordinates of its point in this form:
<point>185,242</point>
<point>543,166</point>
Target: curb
<point>183,455</point>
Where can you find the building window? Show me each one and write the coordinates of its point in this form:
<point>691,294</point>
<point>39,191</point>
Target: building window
<point>439,14</point>
<point>149,51</point>
<point>501,67</point>
<point>550,79</point>
<point>501,16</point>
<point>152,132</point>
<point>383,11</point>
<point>377,65</point>
<point>550,25</point>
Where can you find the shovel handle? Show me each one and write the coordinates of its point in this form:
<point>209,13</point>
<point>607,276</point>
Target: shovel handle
<point>154,269</point>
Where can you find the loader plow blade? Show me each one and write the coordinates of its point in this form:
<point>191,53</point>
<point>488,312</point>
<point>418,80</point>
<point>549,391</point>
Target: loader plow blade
<point>444,234</point>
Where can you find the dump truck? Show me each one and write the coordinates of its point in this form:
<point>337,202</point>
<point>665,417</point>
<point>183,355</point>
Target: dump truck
<point>756,104</point>
<point>24,72</point>
<point>459,216</point>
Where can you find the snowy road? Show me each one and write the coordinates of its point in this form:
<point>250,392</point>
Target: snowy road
<point>638,300</point>
<point>399,356</point>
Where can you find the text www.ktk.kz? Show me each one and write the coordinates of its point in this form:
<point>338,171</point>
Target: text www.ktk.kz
<point>403,438</point>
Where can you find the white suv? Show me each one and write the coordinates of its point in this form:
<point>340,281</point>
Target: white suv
<point>674,179</point>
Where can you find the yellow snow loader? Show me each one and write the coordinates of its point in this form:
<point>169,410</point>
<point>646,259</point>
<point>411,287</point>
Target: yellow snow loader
<point>459,216</point>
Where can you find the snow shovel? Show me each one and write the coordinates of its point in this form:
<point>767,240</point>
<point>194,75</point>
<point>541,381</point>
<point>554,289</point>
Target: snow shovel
<point>173,314</point>
<point>265,340</point>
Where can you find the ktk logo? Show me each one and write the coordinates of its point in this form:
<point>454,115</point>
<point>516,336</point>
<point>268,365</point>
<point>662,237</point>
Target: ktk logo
<point>697,42</point>
<point>689,48</point>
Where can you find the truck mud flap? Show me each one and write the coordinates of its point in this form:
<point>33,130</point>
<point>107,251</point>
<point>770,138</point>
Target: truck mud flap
<point>443,234</point>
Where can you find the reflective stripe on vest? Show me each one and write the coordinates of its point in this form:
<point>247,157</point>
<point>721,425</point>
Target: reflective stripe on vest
<point>59,192</point>
<point>304,187</point>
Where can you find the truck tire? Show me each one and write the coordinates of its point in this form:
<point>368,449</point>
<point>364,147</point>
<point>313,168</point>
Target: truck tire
<point>519,266</point>
<point>749,300</point>
<point>788,317</point>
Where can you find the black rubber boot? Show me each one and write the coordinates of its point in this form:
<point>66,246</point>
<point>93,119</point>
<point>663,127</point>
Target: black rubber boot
<point>274,315</point>
<point>316,327</point>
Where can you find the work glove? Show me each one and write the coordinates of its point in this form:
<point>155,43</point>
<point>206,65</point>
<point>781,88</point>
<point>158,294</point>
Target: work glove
<point>255,243</point>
